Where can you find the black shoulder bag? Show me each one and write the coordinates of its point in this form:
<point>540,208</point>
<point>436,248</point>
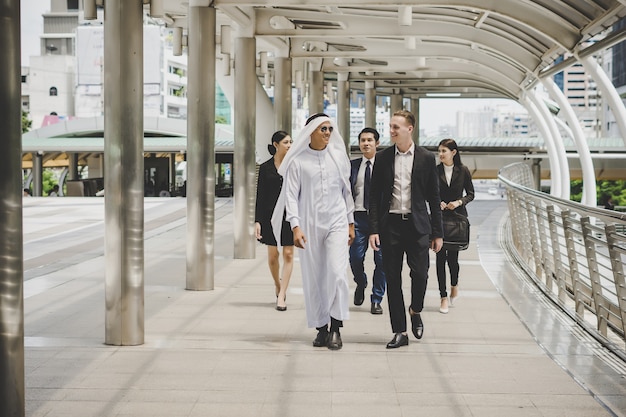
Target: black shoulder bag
<point>456,231</point>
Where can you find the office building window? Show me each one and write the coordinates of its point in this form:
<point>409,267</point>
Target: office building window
<point>72,4</point>
<point>53,91</point>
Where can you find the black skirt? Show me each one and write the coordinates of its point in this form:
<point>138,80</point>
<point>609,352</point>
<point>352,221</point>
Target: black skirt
<point>267,233</point>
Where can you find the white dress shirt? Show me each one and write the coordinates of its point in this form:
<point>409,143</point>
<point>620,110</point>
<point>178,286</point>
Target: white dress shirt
<point>401,195</point>
<point>359,187</point>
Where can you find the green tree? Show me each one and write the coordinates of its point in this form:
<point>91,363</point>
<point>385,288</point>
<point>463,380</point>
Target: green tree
<point>47,181</point>
<point>605,189</point>
<point>26,122</point>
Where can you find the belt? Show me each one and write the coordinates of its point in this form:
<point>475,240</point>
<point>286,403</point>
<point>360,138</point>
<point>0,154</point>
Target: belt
<point>401,216</point>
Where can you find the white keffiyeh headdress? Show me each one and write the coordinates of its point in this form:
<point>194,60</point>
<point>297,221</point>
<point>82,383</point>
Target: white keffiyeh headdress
<point>336,149</point>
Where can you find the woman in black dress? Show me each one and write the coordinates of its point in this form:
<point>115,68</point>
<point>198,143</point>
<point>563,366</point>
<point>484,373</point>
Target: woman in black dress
<point>454,178</point>
<point>267,191</point>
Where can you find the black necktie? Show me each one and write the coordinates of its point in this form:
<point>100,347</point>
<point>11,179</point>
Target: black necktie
<point>366,185</point>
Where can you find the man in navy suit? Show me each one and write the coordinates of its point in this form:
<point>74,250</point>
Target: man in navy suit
<point>405,218</point>
<point>360,176</point>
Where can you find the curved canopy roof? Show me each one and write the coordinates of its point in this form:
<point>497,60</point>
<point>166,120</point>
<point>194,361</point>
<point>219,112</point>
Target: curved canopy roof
<point>475,48</point>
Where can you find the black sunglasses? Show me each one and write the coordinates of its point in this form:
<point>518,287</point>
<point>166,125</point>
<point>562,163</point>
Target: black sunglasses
<point>323,129</point>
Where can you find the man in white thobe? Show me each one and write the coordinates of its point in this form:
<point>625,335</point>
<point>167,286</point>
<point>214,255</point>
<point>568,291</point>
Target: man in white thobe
<point>320,209</point>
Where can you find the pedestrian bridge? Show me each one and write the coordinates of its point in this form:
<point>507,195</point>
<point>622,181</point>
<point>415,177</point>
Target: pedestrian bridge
<point>536,329</point>
<point>102,324</point>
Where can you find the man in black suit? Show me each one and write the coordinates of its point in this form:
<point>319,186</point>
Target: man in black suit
<point>403,181</point>
<point>360,179</point>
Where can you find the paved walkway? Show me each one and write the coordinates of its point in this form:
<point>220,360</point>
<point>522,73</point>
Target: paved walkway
<point>228,352</point>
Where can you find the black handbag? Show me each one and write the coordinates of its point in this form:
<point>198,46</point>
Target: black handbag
<point>456,231</point>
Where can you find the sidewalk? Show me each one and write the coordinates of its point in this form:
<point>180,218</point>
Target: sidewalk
<point>228,352</point>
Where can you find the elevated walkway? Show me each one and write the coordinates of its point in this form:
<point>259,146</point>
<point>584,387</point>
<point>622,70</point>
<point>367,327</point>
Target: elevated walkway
<point>502,350</point>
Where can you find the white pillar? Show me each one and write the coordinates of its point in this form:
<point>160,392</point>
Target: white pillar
<point>589,176</point>
<point>608,91</point>
<point>558,144</point>
<point>555,170</point>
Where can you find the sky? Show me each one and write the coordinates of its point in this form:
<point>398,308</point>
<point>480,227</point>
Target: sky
<point>434,112</point>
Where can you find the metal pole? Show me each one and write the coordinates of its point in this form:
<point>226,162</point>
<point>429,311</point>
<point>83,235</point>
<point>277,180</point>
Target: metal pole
<point>370,104</point>
<point>124,174</point>
<point>73,165</point>
<point>37,174</point>
<point>172,172</point>
<point>12,400</point>
<point>244,170</point>
<point>282,94</point>
<point>415,109</point>
<point>343,108</point>
<point>396,102</point>
<point>537,173</point>
<point>316,92</point>
<point>201,149</point>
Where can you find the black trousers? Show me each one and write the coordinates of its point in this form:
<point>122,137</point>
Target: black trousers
<point>398,239</point>
<point>451,257</point>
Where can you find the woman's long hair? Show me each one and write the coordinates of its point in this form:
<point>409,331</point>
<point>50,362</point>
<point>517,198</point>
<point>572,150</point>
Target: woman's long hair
<point>276,138</point>
<point>451,144</point>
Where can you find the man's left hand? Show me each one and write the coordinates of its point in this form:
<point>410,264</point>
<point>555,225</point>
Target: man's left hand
<point>350,234</point>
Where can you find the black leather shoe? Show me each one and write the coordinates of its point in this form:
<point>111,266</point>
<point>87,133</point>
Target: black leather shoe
<point>321,339</point>
<point>398,340</point>
<point>417,325</point>
<point>376,309</point>
<point>334,342</point>
<point>359,295</point>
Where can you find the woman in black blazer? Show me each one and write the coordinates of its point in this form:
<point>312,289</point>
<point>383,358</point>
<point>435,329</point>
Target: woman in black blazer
<point>268,188</point>
<point>454,178</point>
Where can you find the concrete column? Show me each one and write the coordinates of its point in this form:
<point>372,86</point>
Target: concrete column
<point>343,108</point>
<point>316,92</point>
<point>282,94</point>
<point>244,169</point>
<point>11,244</point>
<point>124,176</point>
<point>415,109</point>
<point>37,174</point>
<point>73,165</point>
<point>201,149</point>
<point>370,104</point>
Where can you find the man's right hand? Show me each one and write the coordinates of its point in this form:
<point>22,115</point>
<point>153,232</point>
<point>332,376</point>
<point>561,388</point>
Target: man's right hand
<point>375,242</point>
<point>298,237</point>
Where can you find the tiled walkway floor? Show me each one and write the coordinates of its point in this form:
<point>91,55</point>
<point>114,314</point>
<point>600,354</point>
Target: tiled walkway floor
<point>228,352</point>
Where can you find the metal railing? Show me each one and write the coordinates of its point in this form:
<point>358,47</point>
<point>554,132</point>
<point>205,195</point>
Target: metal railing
<point>574,253</point>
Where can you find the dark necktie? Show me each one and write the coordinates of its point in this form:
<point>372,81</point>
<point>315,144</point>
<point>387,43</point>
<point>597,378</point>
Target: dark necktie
<point>366,185</point>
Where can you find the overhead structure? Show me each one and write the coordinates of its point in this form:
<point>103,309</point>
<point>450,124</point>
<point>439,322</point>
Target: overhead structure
<point>473,48</point>
<point>414,49</point>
